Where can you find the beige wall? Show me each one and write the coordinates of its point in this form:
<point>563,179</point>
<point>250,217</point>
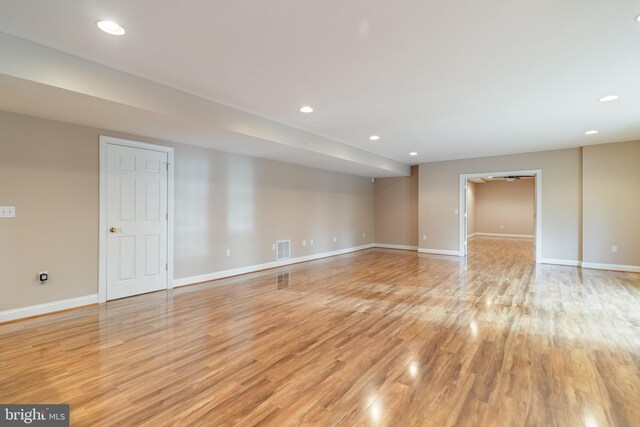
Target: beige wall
<point>471,208</point>
<point>246,204</point>
<point>396,210</point>
<point>561,199</point>
<point>504,207</point>
<point>49,171</point>
<point>611,203</point>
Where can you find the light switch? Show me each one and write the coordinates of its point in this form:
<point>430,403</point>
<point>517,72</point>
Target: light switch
<point>455,211</point>
<point>228,252</point>
<point>7,211</point>
<point>614,248</point>
<point>304,243</point>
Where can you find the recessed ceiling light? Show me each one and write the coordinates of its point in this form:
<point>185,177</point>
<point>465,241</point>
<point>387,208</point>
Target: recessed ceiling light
<point>608,98</point>
<point>591,132</point>
<point>111,27</point>
<point>306,109</point>
<point>638,18</point>
<point>374,137</point>
<point>413,153</point>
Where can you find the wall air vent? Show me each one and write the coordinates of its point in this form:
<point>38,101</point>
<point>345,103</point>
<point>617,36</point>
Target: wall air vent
<point>283,249</point>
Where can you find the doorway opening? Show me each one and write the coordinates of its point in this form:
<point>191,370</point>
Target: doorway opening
<point>501,211</point>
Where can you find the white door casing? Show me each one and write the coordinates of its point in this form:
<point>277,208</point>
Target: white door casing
<point>135,218</point>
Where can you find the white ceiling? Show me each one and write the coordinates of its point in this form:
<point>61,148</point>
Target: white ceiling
<point>448,79</point>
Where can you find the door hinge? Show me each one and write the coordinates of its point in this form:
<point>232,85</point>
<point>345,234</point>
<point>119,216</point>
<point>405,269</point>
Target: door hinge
<point>167,216</point>
<point>166,267</point>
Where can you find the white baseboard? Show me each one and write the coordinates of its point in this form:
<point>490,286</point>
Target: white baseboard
<point>253,268</point>
<point>438,252</point>
<point>471,235</point>
<point>403,247</point>
<point>512,236</point>
<point>50,307</point>
<point>613,267</point>
<point>569,262</point>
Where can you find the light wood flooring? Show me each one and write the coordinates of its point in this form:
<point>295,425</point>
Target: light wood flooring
<point>377,337</point>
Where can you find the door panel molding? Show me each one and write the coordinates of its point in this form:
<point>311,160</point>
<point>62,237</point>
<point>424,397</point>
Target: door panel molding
<point>105,141</point>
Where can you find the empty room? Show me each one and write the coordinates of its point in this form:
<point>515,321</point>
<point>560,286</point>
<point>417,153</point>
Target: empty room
<point>287,213</point>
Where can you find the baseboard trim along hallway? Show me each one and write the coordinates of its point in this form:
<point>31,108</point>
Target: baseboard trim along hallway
<point>612,267</point>
<point>438,252</point>
<point>401,247</point>
<point>568,262</point>
<point>258,267</point>
<point>511,236</point>
<point>46,308</point>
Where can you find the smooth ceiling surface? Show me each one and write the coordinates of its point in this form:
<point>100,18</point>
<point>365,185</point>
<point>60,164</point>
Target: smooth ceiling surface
<point>446,79</point>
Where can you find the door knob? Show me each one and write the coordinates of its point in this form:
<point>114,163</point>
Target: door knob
<point>113,230</point>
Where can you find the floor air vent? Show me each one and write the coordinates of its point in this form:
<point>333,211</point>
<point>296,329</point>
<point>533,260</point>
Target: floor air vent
<point>283,249</point>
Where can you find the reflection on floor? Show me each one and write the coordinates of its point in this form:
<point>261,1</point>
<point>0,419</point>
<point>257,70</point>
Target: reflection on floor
<point>493,249</point>
<point>378,337</point>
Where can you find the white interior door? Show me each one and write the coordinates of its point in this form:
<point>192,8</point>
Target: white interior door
<point>136,221</point>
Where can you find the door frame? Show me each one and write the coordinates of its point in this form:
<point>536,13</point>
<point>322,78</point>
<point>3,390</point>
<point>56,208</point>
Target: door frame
<point>537,173</point>
<point>102,261</point>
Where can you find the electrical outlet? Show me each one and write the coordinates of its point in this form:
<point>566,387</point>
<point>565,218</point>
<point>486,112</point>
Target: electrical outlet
<point>424,237</point>
<point>311,242</point>
<point>363,235</point>
<point>228,252</point>
<point>273,246</point>
<point>614,248</point>
<point>335,239</point>
<point>7,211</point>
<point>43,276</point>
<point>455,211</point>
<point>502,226</point>
<point>304,243</point>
